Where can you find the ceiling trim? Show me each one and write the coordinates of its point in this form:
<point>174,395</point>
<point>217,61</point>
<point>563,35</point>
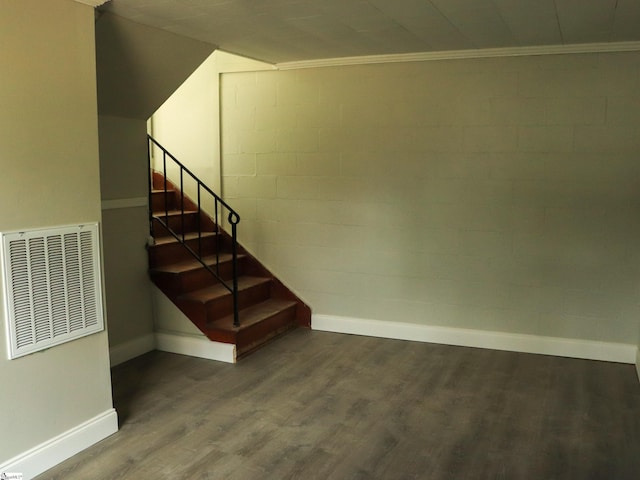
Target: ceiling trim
<point>462,54</point>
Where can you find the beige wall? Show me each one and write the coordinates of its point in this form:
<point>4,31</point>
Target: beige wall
<point>123,157</point>
<point>188,123</point>
<point>139,67</point>
<point>123,176</point>
<point>494,194</point>
<point>49,152</point>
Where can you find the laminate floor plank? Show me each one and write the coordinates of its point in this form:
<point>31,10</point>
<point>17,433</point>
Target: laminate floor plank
<point>317,405</point>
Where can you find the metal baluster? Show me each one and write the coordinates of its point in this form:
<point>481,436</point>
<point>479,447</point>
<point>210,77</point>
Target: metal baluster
<point>150,179</point>
<point>199,226</point>
<point>166,200</point>
<point>215,208</point>
<point>182,202</point>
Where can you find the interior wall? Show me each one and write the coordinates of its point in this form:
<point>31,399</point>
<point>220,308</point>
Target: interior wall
<point>493,194</point>
<point>124,186</point>
<point>638,360</point>
<point>139,67</point>
<point>187,124</point>
<point>49,152</point>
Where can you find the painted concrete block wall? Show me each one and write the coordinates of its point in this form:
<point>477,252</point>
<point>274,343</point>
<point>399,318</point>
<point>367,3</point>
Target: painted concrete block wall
<point>186,125</point>
<point>49,152</point>
<point>496,194</point>
<point>188,122</point>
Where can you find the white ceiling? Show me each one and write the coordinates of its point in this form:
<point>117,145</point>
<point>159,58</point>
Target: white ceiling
<point>279,31</point>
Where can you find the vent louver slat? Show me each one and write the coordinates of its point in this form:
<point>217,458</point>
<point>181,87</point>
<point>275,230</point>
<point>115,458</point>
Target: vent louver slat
<point>88,293</point>
<point>19,271</point>
<point>73,282</point>
<point>39,289</point>
<point>53,290</point>
<point>56,281</point>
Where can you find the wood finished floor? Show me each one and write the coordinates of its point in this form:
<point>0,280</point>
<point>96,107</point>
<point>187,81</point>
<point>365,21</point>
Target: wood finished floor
<point>315,405</point>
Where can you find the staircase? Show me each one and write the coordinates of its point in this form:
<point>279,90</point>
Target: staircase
<point>265,307</point>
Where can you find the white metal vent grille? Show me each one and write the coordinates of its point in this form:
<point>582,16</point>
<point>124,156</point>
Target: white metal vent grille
<point>52,282</point>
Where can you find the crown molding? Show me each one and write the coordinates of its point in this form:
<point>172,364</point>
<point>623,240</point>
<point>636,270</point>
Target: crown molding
<point>464,54</point>
<point>93,3</point>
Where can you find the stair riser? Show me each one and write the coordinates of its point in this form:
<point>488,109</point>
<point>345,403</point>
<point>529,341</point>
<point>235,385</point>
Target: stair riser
<point>160,255</point>
<point>181,283</point>
<point>158,181</point>
<point>175,223</point>
<point>224,306</point>
<point>159,230</point>
<point>201,314</point>
<point>172,285</point>
<point>250,338</point>
<point>158,203</point>
<point>258,334</point>
<point>197,279</point>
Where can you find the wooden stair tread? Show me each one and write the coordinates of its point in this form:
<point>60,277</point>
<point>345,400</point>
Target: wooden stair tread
<point>172,213</point>
<point>188,236</point>
<point>251,315</point>
<point>193,264</point>
<point>218,290</point>
<point>162,190</point>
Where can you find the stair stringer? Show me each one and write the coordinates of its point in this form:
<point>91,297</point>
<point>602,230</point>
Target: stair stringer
<point>176,333</point>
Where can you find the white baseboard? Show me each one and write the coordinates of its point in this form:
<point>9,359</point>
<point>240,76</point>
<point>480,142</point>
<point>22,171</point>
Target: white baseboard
<point>194,346</point>
<point>560,347</point>
<point>132,349</point>
<point>58,449</point>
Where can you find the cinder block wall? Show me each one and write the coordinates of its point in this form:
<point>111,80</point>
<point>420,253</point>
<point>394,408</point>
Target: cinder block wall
<point>496,194</point>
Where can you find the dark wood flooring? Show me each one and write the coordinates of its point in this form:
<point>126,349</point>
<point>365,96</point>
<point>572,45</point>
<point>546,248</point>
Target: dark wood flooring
<point>316,405</point>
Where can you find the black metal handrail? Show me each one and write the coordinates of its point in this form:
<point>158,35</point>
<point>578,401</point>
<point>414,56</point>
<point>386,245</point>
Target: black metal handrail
<point>219,204</point>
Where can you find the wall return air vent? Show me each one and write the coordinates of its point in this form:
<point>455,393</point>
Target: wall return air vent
<point>52,286</point>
